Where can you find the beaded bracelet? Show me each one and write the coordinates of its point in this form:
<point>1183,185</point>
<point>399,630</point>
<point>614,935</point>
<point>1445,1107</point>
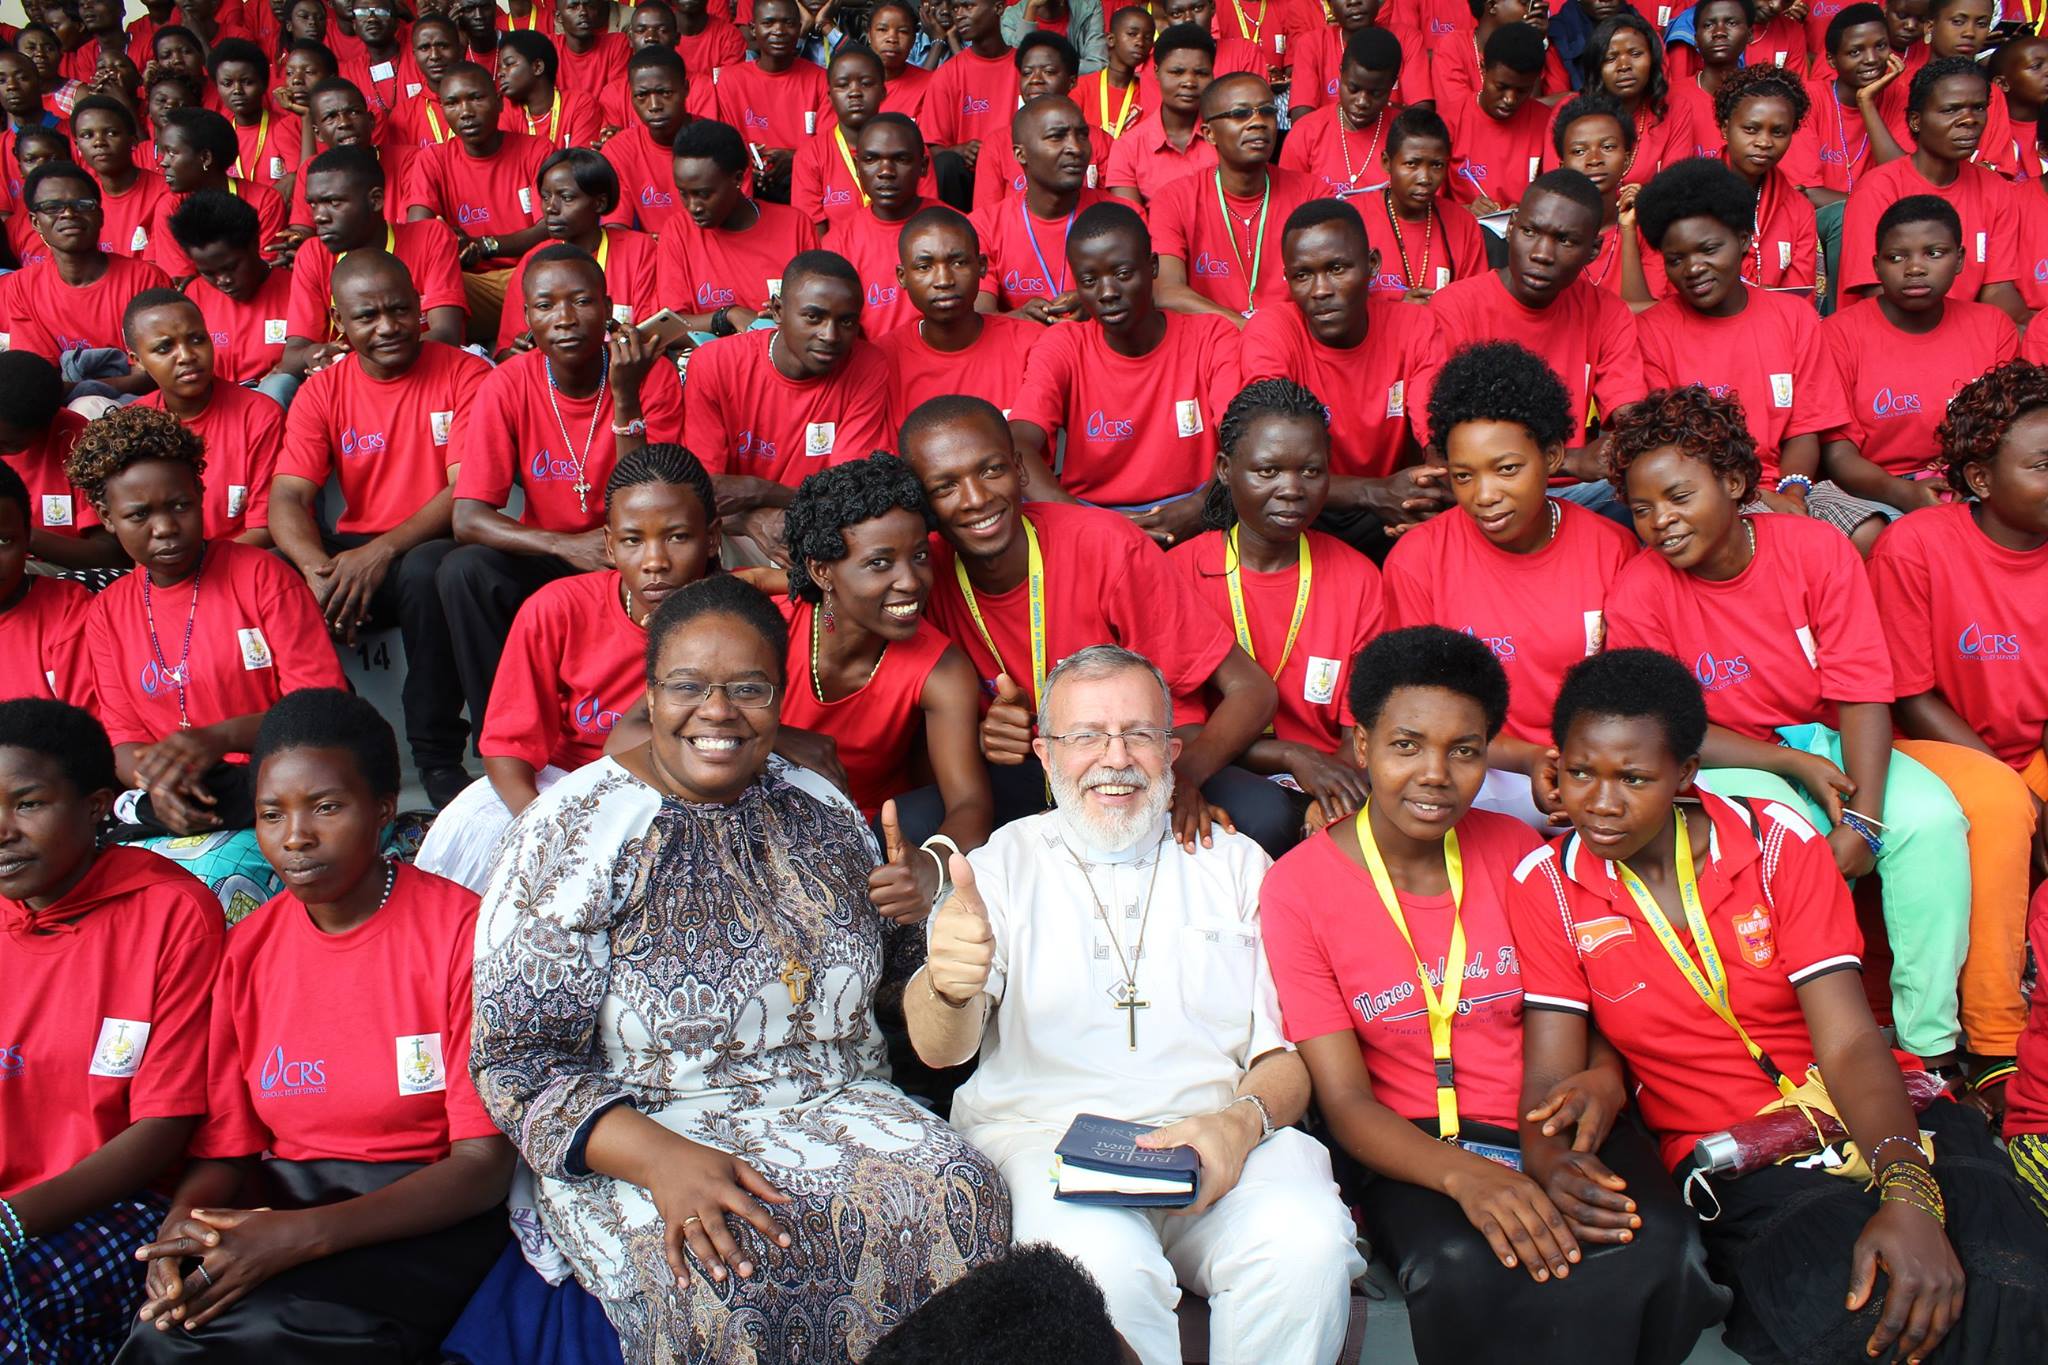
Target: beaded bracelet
<point>13,1237</point>
<point>1910,1144</point>
<point>1908,1182</point>
<point>1864,829</point>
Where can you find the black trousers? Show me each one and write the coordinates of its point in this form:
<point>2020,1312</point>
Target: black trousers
<point>1644,1303</point>
<point>389,1304</point>
<point>1783,1242</point>
<point>431,692</point>
<point>481,590</point>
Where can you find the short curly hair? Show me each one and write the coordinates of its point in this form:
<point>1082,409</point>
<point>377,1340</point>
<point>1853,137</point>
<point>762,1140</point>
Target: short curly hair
<point>329,718</point>
<point>826,503</point>
<point>1697,187</point>
<point>1984,411</point>
<point>1499,381</point>
<point>1259,399</point>
<point>1634,684</point>
<point>1765,81</point>
<point>1698,424</point>
<point>127,437</point>
<point>1428,656</point>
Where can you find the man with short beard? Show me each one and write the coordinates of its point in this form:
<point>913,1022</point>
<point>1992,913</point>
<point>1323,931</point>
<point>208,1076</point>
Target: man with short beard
<point>1160,1012</point>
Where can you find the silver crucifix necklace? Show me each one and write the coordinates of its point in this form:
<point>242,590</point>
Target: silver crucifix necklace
<point>1126,996</point>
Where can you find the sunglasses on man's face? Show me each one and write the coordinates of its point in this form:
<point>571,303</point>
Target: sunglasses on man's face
<point>1240,113</point>
<point>57,208</point>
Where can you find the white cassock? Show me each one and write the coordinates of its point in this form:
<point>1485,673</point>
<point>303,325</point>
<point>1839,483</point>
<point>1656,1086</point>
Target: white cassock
<point>1275,1257</point>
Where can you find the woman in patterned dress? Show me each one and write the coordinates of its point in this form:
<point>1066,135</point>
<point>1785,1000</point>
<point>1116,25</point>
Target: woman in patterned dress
<point>676,959</point>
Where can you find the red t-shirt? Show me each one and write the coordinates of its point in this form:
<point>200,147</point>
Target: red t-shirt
<point>1833,144</point>
<point>302,1019</point>
<point>574,662</point>
<point>1494,157</point>
<point>1587,950</point>
<point>427,250</point>
<point>1340,965</point>
<point>269,147</point>
<point>1367,390</point>
<point>1769,357</point>
<point>47,316</point>
<point>720,44</point>
<point>248,334</point>
<point>699,269</point>
<point>480,196</point>
<point>389,442</point>
<point>1787,244</point>
<point>775,108</point>
<point>970,97</point>
<point>1317,49</point>
<point>521,431</point>
<point>599,73</point>
<point>1587,336</point>
<point>1027,255</point>
<point>745,417</point>
<point>171,257</point>
<point>1344,612</point>
<point>2030,204</point>
<point>1346,162</point>
<point>105,1020</point>
<point>1235,263</point>
<point>1991,249</point>
<point>42,643</point>
<point>1957,614</point>
<point>1450,246</point>
<point>992,368</point>
<point>1782,643</point>
<point>256,634</point>
<point>572,119</point>
<point>869,244</point>
<point>243,431</point>
<point>54,503</point>
<point>903,93</point>
<point>128,222</point>
<point>876,727</point>
<point>647,180</point>
<point>1146,160</point>
<point>1539,613</point>
<point>1899,385</point>
<point>628,261</point>
<point>1140,429</point>
<point>394,164</point>
<point>1105,581</point>
<point>1114,108</point>
<point>2026,1095</point>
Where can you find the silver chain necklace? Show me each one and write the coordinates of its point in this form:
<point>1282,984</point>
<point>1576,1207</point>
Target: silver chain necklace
<point>581,462</point>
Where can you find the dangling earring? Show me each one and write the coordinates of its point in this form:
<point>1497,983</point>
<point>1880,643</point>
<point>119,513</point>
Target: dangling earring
<point>831,617</point>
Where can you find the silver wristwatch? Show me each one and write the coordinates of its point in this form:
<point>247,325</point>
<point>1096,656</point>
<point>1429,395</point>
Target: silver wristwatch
<point>1265,1115</point>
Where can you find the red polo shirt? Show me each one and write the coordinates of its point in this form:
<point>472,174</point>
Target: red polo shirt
<point>248,334</point>
<point>390,442</point>
<point>243,431</point>
<point>574,663</point>
<point>427,250</point>
<point>1898,385</point>
<point>1140,429</point>
<point>1146,160</point>
<point>701,269</point>
<point>992,368</point>
<point>1368,390</point>
<point>1225,246</point>
<point>744,417</point>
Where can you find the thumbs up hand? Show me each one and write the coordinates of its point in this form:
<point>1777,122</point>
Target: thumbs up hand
<point>902,887</point>
<point>1006,729</point>
<point>962,944</point>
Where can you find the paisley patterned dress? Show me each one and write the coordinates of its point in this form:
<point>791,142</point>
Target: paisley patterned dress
<point>632,948</point>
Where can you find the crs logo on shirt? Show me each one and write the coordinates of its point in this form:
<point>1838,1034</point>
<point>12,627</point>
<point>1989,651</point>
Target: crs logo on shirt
<point>1016,283</point>
<point>545,468</point>
<point>1205,264</point>
<point>282,1078</point>
<point>754,447</point>
<point>881,295</point>
<point>1101,428</point>
<point>11,1062</point>
<point>1474,171</point>
<point>1889,404</point>
<point>1503,646</point>
<point>1986,646</point>
<point>590,716</point>
<point>973,104</point>
<point>220,338</point>
<point>158,678</point>
<point>361,444</point>
<point>835,196</point>
<point>652,198</point>
<point>710,296</point>
<point>1715,674</point>
<point>466,214</point>
<point>2041,270</point>
<point>756,123</point>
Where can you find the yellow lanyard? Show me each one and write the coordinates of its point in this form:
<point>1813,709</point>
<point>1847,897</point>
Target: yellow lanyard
<point>553,120</point>
<point>604,249</point>
<point>839,136</point>
<point>1708,978</point>
<point>532,20</point>
<point>1442,1005</point>
<point>1246,27</point>
<point>1035,577</point>
<point>434,124</point>
<point>1123,115</point>
<point>262,136</point>
<point>1233,581</point>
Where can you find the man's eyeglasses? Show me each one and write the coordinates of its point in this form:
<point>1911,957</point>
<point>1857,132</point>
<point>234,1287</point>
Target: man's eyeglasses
<point>1139,739</point>
<point>1239,113</point>
<point>57,208</point>
<point>689,692</point>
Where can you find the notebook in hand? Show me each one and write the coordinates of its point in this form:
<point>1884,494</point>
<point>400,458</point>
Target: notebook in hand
<point>1099,1162</point>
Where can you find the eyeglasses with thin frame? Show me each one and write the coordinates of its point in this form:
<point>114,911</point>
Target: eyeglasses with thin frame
<point>1238,113</point>
<point>56,208</point>
<point>746,694</point>
<point>1139,739</point>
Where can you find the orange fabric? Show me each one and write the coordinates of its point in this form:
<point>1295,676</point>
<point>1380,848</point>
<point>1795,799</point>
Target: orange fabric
<point>2035,774</point>
<point>1995,800</point>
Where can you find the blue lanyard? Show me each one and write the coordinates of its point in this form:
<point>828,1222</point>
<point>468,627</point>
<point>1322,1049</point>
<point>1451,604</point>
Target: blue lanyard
<point>1031,236</point>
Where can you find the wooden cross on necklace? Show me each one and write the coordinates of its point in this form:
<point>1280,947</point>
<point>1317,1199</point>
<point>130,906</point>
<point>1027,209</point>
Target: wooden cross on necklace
<point>797,978</point>
<point>1127,1000</point>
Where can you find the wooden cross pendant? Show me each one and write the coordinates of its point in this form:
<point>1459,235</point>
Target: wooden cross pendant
<point>797,977</point>
<point>1127,1000</point>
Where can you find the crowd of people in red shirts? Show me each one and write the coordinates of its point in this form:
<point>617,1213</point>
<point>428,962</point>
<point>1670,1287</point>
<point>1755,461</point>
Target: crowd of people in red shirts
<point>1240,333</point>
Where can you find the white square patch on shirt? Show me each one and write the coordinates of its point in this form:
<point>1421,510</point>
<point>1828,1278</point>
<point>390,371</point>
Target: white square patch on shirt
<point>56,509</point>
<point>1781,390</point>
<point>1805,634</point>
<point>383,71</point>
<point>1187,417</point>
<point>774,287</point>
<point>277,168</point>
<point>1319,683</point>
<point>526,200</point>
<point>140,241</point>
<point>420,1071</point>
<point>238,498</point>
<point>1980,248</point>
<point>1397,398</point>
<point>819,438</point>
<point>1596,631</point>
<point>273,332</point>
<point>119,1050</point>
<point>1784,255</point>
<point>622,313</point>
<point>442,425</point>
<point>255,649</point>
<point>1091,175</point>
